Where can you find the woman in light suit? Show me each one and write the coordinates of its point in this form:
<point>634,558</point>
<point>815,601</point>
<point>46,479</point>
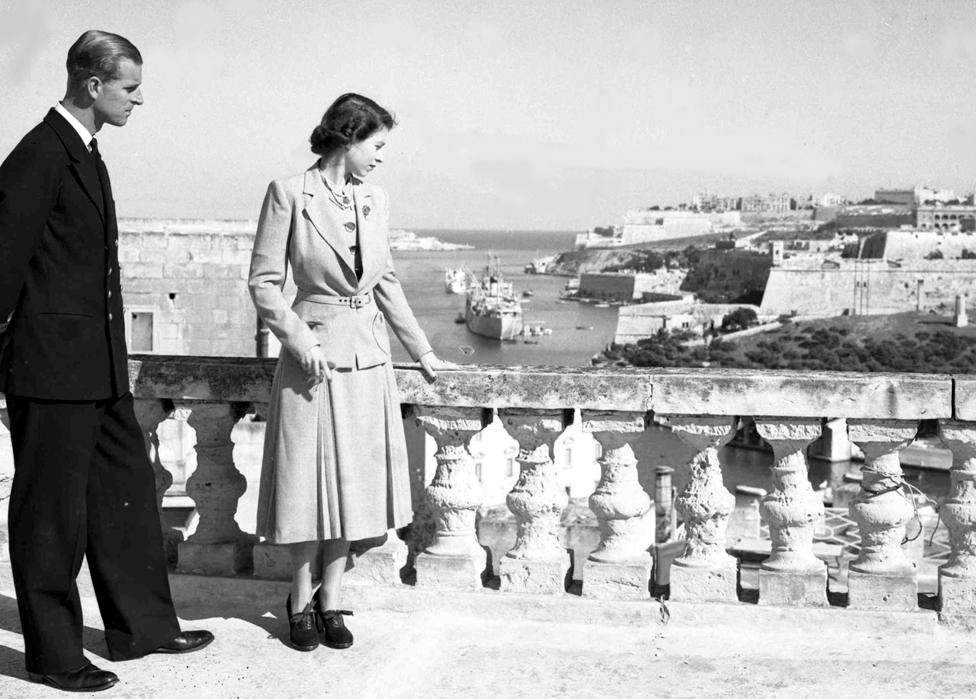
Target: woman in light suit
<point>335,460</point>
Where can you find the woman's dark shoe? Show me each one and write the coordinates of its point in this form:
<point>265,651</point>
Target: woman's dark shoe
<point>334,629</point>
<point>302,629</point>
<point>87,678</point>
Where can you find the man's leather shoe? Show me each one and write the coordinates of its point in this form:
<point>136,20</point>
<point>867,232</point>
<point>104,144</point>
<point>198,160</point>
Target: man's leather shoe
<point>186,642</point>
<point>85,679</point>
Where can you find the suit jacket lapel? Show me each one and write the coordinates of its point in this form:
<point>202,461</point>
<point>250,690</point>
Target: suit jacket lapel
<point>318,210</point>
<point>82,163</point>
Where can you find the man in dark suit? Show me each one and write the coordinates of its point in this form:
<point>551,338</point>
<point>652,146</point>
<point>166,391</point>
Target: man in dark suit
<point>83,485</point>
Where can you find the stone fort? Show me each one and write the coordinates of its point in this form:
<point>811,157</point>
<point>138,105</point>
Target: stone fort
<point>903,270</point>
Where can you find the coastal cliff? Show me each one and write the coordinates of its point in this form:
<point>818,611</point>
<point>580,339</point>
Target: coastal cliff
<point>576,262</point>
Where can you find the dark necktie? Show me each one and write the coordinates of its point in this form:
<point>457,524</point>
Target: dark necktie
<point>102,177</point>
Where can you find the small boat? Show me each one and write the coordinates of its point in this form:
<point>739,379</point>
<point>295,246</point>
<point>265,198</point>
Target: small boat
<point>526,293</point>
<point>584,327</point>
<point>603,305</point>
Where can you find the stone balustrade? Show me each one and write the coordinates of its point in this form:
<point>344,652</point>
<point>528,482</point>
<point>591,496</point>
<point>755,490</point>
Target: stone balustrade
<point>621,408</point>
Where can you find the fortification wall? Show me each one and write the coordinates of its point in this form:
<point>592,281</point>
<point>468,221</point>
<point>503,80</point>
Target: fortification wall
<point>193,280</point>
<point>607,286</point>
<point>905,245</point>
<point>867,288</point>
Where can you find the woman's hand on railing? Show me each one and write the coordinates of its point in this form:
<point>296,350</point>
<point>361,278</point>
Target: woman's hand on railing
<point>431,364</point>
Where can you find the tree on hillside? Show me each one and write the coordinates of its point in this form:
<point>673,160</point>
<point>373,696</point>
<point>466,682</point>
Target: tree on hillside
<point>739,319</point>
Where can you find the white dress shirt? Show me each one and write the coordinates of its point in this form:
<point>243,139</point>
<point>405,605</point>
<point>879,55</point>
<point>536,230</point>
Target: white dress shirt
<point>83,133</point>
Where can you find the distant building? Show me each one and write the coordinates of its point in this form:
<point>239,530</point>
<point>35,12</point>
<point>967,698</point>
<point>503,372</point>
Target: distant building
<point>622,288</point>
<point>644,320</point>
<point>653,225</point>
<point>830,199</point>
<point>914,196</point>
<point>872,216</point>
<point>598,237</point>
<point>766,204</point>
<point>960,218</point>
<point>708,202</point>
<point>834,287</point>
<point>915,244</point>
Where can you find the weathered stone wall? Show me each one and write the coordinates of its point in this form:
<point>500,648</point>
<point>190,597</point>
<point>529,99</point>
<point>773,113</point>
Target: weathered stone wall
<point>193,278</point>
<point>616,287</point>
<point>918,244</point>
<point>867,287</point>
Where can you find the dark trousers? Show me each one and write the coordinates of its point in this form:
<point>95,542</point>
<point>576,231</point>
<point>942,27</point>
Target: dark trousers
<point>83,487</point>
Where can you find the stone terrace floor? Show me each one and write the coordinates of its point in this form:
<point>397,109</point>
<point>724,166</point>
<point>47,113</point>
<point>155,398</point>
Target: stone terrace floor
<point>428,643</point>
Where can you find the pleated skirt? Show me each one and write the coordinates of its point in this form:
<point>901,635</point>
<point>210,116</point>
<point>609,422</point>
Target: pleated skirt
<point>335,458</point>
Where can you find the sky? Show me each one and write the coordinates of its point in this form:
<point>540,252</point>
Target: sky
<point>524,114</point>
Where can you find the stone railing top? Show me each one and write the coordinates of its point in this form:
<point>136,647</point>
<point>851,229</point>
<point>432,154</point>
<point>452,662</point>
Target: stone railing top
<point>665,391</point>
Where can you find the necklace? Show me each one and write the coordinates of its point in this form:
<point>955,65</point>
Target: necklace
<point>342,198</point>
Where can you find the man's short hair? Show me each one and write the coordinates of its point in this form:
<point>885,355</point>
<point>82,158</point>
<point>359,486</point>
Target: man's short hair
<point>99,53</point>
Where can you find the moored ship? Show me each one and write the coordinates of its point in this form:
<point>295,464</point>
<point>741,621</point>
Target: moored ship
<point>457,280</point>
<point>493,309</point>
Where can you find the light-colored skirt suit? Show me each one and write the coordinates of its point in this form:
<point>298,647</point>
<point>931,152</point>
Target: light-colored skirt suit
<point>335,460</point>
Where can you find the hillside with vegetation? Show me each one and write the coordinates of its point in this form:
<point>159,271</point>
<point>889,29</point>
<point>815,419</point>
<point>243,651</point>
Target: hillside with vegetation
<point>905,342</point>
<point>641,257</point>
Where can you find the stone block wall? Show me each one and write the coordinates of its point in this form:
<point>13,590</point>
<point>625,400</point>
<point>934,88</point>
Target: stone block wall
<point>192,277</point>
<point>868,287</point>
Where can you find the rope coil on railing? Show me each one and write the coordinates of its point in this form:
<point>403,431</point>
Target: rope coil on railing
<point>899,484</point>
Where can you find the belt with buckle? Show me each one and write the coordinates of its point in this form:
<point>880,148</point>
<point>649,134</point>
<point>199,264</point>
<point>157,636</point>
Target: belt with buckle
<point>351,301</point>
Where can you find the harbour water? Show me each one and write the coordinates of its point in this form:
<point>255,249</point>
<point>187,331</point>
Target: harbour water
<point>578,330</point>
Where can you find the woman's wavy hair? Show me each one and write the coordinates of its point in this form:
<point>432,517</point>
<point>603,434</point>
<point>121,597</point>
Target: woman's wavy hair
<point>350,119</point>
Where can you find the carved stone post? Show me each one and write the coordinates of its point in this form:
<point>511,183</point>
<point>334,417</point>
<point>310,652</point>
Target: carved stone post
<point>538,562</point>
<point>792,575</point>
<point>218,546</point>
<point>149,413</point>
<point>704,571</point>
<point>620,566</point>
<point>882,577</point>
<point>957,577</point>
<point>452,558</point>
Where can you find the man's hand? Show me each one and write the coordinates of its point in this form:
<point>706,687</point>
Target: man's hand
<point>315,366</point>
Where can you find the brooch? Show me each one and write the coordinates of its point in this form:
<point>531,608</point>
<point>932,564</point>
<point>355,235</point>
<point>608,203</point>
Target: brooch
<point>366,210</point>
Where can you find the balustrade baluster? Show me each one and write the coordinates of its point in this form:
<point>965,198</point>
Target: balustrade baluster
<point>538,562</point>
<point>620,566</point>
<point>704,571</point>
<point>451,558</point>
<point>882,577</point>
<point>957,577</point>
<point>792,575</point>
<point>150,412</point>
<point>218,546</point>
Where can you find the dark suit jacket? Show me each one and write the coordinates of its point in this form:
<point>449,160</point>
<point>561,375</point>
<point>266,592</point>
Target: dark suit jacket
<point>59,271</point>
